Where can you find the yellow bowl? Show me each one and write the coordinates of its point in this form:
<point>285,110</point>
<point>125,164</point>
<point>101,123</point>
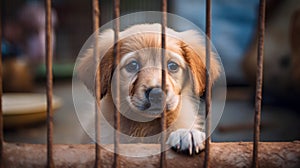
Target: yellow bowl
<point>21,109</point>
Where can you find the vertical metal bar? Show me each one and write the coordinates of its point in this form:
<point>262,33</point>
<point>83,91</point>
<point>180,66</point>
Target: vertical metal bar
<point>1,113</point>
<point>96,23</point>
<point>116,62</point>
<point>163,82</point>
<point>49,54</point>
<point>208,84</point>
<point>259,81</point>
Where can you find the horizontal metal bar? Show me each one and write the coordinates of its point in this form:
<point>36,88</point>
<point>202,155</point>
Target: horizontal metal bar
<point>226,155</point>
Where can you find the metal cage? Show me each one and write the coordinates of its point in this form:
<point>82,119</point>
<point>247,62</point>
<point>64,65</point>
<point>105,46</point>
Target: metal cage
<point>118,161</point>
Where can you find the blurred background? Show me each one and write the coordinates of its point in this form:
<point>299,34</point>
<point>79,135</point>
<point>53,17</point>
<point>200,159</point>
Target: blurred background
<point>233,34</point>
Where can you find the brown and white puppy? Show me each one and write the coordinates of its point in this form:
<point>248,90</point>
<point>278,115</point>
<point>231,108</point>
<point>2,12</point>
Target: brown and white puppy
<point>141,97</point>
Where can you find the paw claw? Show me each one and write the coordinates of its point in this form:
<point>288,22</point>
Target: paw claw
<point>190,150</point>
<point>185,140</point>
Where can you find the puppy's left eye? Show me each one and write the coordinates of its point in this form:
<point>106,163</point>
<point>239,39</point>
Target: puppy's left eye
<point>132,67</point>
<point>173,67</point>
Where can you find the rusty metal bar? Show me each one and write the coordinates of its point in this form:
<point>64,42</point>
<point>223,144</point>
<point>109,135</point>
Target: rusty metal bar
<point>225,155</point>
<point>116,16</point>
<point>1,113</point>
<point>163,162</point>
<point>208,85</point>
<point>49,90</point>
<point>96,23</point>
<point>259,81</point>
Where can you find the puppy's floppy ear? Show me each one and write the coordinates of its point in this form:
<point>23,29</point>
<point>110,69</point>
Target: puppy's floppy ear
<point>87,66</point>
<point>194,54</point>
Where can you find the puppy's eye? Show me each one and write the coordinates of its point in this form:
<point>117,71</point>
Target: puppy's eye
<point>132,67</point>
<point>173,67</point>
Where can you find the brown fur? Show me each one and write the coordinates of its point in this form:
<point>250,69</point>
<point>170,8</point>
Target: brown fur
<point>187,44</point>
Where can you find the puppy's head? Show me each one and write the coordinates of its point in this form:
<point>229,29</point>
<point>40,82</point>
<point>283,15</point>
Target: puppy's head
<point>141,72</point>
<point>141,81</point>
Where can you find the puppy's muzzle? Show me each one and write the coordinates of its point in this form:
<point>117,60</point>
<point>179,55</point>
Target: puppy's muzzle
<point>157,100</point>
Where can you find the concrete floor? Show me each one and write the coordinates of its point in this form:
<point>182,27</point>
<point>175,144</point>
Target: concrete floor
<point>278,123</point>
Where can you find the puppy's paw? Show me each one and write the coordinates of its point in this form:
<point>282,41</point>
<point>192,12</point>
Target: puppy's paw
<point>187,141</point>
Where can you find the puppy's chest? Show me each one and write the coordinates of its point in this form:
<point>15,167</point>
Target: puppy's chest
<point>140,129</point>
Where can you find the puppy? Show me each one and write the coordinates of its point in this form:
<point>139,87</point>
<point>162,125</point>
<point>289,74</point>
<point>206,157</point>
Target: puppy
<point>141,98</point>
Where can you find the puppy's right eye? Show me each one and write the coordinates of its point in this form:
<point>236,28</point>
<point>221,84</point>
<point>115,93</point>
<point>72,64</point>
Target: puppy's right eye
<point>132,67</point>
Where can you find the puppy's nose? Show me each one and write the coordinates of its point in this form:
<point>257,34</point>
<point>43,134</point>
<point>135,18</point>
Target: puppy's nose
<point>155,95</point>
